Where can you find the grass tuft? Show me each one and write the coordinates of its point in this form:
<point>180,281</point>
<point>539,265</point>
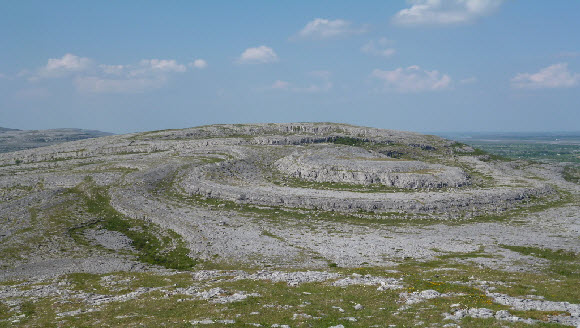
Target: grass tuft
<point>563,263</point>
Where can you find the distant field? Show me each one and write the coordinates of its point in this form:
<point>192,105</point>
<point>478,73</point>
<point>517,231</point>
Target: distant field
<point>15,140</point>
<point>558,147</point>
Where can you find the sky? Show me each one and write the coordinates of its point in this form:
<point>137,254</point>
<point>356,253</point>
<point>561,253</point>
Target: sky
<point>421,65</point>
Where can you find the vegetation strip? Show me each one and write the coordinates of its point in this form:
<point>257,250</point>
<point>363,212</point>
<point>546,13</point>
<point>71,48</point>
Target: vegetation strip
<point>154,246</point>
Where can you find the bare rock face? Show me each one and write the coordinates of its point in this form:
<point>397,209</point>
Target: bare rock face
<point>109,239</point>
<point>345,168</point>
<point>359,166</point>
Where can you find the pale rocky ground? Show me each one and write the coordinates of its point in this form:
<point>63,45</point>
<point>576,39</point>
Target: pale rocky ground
<point>285,199</point>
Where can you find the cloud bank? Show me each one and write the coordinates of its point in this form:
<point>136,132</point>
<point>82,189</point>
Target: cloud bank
<point>67,64</point>
<point>445,12</point>
<point>89,77</point>
<point>412,79</point>
<point>554,76</point>
<point>321,28</point>
<point>198,63</point>
<point>258,55</point>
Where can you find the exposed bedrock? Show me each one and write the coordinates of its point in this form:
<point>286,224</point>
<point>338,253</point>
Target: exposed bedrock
<point>359,166</point>
<point>231,180</point>
<point>194,139</point>
<point>497,199</point>
<point>256,161</point>
<point>284,176</point>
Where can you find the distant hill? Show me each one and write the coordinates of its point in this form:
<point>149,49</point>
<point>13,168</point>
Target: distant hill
<point>7,129</point>
<point>14,139</point>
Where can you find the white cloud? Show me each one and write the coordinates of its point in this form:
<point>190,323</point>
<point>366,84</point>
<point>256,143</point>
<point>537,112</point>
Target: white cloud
<point>162,65</point>
<point>198,63</point>
<point>88,77</point>
<point>261,54</point>
<point>445,12</point>
<point>412,79</point>
<point>554,76</point>
<point>380,47</point>
<point>148,75</point>
<point>146,67</point>
<point>321,28</point>
<point>69,63</point>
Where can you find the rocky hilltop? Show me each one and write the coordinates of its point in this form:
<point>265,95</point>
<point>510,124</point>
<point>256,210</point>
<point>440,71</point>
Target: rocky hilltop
<point>302,202</point>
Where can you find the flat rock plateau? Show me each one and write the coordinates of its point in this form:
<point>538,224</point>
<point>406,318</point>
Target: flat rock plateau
<point>285,225</point>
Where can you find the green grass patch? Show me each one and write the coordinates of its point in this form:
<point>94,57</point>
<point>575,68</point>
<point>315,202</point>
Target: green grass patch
<point>572,174</point>
<point>552,286</point>
<point>539,315</point>
<point>315,304</point>
<point>4,311</point>
<point>545,253</point>
<point>349,141</point>
<point>86,282</point>
<point>468,255</point>
<point>146,238</point>
<point>271,235</point>
<point>28,308</point>
<point>562,262</point>
<point>532,205</point>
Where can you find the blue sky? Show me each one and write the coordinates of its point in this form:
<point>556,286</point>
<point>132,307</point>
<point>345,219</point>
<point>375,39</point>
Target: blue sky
<point>423,65</point>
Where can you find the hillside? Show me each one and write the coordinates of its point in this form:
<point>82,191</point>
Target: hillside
<point>302,224</point>
<point>7,129</point>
